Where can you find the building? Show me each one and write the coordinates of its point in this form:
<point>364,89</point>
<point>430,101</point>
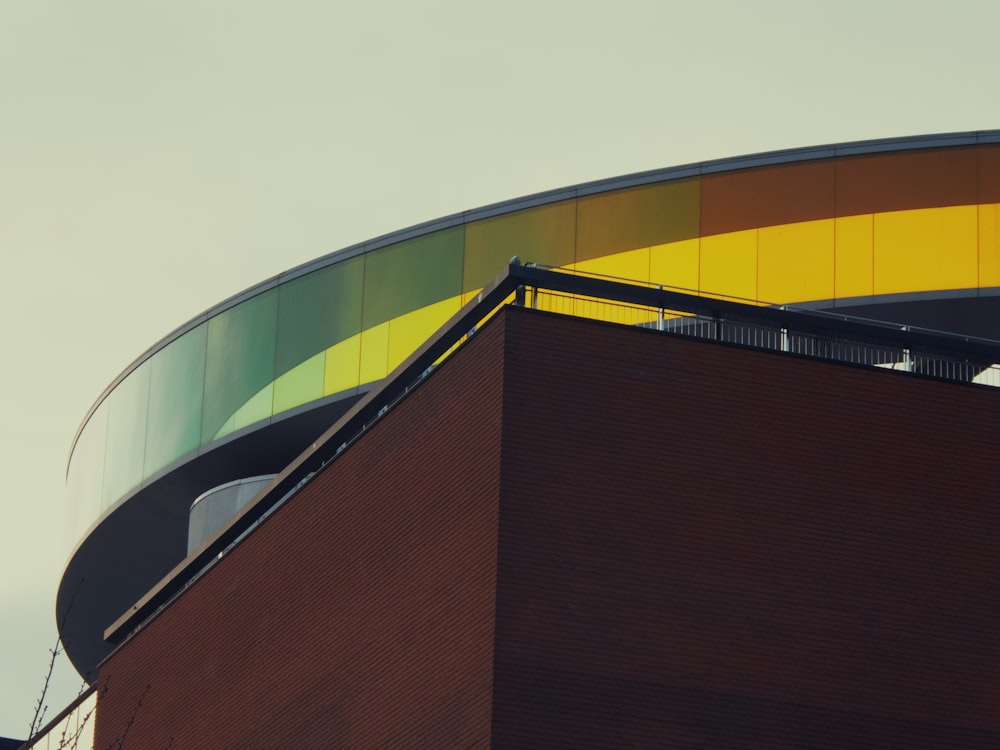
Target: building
<point>489,555</point>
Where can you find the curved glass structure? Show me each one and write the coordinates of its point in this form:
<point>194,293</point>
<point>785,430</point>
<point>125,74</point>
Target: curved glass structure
<point>835,226</point>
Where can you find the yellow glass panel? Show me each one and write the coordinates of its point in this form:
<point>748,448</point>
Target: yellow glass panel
<point>729,264</point>
<point>374,353</point>
<point>550,301</point>
<point>409,331</point>
<point>597,308</point>
<point>300,385</point>
<point>675,264</point>
<point>853,256</point>
<point>632,265</point>
<point>926,249</point>
<point>508,301</point>
<point>342,362</point>
<point>467,297</point>
<point>795,262</point>
<point>989,245</point>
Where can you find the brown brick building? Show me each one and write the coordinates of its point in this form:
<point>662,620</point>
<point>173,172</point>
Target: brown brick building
<point>575,534</point>
<point>678,489</point>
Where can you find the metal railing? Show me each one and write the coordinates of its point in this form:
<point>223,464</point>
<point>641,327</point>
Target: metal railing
<point>674,312</point>
<point>810,333</point>
<point>72,729</point>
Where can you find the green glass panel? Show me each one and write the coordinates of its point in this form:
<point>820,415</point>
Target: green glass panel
<point>537,235</point>
<point>128,406</point>
<point>258,407</point>
<point>637,217</point>
<point>240,359</point>
<point>226,427</point>
<point>301,384</point>
<point>176,388</point>
<point>85,477</point>
<point>412,274</point>
<point>317,311</point>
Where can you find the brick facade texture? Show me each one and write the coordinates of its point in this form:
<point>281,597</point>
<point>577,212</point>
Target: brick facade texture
<point>587,536</point>
<point>360,614</point>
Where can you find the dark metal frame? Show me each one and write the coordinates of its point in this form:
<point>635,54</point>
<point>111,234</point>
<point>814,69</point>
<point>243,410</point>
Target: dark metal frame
<point>514,282</point>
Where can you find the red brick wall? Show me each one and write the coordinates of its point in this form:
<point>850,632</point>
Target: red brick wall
<point>670,544</point>
<point>703,546</point>
<point>360,615</point>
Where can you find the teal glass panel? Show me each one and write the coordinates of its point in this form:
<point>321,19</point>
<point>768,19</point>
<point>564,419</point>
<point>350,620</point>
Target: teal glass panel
<point>128,406</point>
<point>317,311</point>
<point>239,363</point>
<point>85,476</point>
<point>412,274</point>
<point>537,235</point>
<point>176,390</point>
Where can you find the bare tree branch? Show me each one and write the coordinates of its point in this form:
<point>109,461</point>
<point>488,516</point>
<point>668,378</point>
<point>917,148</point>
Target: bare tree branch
<point>41,707</point>
<point>131,719</point>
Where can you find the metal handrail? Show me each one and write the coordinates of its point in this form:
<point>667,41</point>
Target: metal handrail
<point>67,737</point>
<point>833,317</point>
<point>779,329</point>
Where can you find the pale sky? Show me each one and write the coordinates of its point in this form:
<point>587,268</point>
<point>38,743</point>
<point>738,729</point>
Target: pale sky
<point>157,157</point>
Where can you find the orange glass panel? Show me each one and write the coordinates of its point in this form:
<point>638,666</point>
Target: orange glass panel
<point>767,196</point>
<point>637,217</point>
<point>989,174</point>
<point>907,180</point>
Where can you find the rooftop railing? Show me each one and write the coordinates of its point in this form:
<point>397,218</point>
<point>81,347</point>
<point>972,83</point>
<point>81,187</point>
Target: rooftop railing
<point>71,729</point>
<point>785,328</point>
<point>804,333</point>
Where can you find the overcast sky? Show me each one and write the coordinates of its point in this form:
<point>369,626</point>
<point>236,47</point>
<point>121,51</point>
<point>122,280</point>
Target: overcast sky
<point>157,157</point>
